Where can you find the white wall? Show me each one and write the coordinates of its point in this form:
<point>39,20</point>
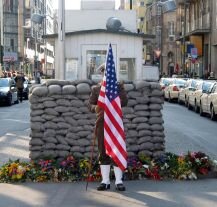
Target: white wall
<point>77,20</point>
<point>98,4</point>
<point>124,46</point>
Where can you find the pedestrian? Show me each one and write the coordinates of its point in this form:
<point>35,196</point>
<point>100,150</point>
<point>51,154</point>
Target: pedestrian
<point>38,77</point>
<point>19,79</point>
<point>104,160</point>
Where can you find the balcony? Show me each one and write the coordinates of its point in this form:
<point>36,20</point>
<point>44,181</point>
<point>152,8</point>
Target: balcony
<point>183,1</point>
<point>200,25</point>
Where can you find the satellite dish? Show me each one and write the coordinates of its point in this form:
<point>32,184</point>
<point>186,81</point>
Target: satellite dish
<point>113,24</point>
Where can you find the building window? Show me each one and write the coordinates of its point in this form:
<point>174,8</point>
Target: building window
<point>171,29</point>
<point>142,3</point>
<point>12,44</point>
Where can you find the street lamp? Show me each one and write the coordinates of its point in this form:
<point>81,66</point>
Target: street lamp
<point>37,19</point>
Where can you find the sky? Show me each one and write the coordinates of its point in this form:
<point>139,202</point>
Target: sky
<point>75,4</point>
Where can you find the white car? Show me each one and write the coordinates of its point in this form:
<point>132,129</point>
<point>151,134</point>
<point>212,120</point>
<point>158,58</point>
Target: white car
<point>194,97</point>
<point>171,92</point>
<point>208,102</point>
<point>164,82</point>
<point>189,87</point>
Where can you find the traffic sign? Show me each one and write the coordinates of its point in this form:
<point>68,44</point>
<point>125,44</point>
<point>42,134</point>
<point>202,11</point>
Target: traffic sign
<point>194,53</point>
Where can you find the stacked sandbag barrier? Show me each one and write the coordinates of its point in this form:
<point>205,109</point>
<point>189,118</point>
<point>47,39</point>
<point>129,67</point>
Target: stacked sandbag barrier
<point>61,123</point>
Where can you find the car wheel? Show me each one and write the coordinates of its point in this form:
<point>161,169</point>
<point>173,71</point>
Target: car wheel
<point>9,100</point>
<point>212,113</point>
<point>26,97</point>
<point>186,103</point>
<point>179,101</point>
<point>195,107</point>
<point>189,106</point>
<point>201,110</point>
<point>169,99</point>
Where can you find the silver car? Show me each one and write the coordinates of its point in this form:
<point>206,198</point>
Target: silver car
<point>8,91</point>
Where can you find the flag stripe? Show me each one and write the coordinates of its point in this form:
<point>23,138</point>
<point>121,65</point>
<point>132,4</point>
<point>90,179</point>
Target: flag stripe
<point>115,137</point>
<point>120,163</point>
<point>115,118</point>
<point>115,149</point>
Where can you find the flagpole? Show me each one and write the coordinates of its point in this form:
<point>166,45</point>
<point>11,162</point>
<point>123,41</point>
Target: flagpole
<point>91,156</point>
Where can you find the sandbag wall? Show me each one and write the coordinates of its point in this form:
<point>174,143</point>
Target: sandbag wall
<point>61,123</point>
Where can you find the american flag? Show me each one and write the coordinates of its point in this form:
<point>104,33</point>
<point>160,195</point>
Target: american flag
<point>109,100</point>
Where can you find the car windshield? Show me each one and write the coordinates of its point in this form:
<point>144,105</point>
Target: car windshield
<point>4,82</point>
<point>206,86</point>
<point>165,81</point>
<point>179,82</point>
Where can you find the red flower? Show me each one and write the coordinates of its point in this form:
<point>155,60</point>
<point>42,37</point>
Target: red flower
<point>203,171</point>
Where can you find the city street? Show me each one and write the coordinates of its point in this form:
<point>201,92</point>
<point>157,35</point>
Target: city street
<point>185,131</point>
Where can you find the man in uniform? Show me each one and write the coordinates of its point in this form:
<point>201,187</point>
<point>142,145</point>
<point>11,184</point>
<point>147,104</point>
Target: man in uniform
<point>104,160</point>
<point>19,79</point>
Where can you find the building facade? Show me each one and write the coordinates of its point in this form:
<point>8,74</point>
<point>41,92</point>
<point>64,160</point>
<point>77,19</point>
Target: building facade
<point>39,54</point>
<point>23,46</point>
<point>9,34</point>
<point>196,35</point>
<point>162,51</point>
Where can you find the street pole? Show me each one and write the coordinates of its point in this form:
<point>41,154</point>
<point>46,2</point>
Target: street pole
<point>184,47</point>
<point>1,21</point>
<point>61,41</point>
<point>35,59</point>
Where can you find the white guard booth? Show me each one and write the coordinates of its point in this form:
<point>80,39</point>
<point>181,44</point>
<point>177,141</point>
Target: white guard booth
<point>85,50</point>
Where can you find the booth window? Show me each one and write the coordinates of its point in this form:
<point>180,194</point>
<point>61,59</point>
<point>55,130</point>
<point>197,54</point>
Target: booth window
<point>94,59</point>
<point>127,69</point>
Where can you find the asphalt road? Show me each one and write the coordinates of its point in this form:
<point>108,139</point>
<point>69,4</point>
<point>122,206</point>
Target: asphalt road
<point>185,130</point>
<point>14,118</point>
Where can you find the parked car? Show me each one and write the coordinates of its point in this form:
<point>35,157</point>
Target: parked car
<point>164,82</point>
<point>188,88</point>
<point>8,91</point>
<point>208,102</point>
<point>194,98</point>
<point>171,92</point>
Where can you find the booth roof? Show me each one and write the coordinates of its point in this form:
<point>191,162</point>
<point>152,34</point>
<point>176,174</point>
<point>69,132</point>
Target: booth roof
<point>145,36</point>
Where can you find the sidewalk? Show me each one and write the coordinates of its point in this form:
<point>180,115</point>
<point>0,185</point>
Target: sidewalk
<point>146,193</point>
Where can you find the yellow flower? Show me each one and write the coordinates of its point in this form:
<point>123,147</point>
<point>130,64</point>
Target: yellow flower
<point>21,169</point>
<point>181,160</point>
<point>41,178</point>
<point>19,176</point>
<point>13,166</point>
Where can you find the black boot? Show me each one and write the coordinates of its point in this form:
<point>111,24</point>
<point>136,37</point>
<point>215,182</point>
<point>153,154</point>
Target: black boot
<point>120,187</point>
<point>103,187</point>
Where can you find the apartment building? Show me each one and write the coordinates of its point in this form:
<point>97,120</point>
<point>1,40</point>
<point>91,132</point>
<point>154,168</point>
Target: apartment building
<point>39,55</point>
<point>196,35</point>
<point>23,46</point>
<point>9,34</point>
